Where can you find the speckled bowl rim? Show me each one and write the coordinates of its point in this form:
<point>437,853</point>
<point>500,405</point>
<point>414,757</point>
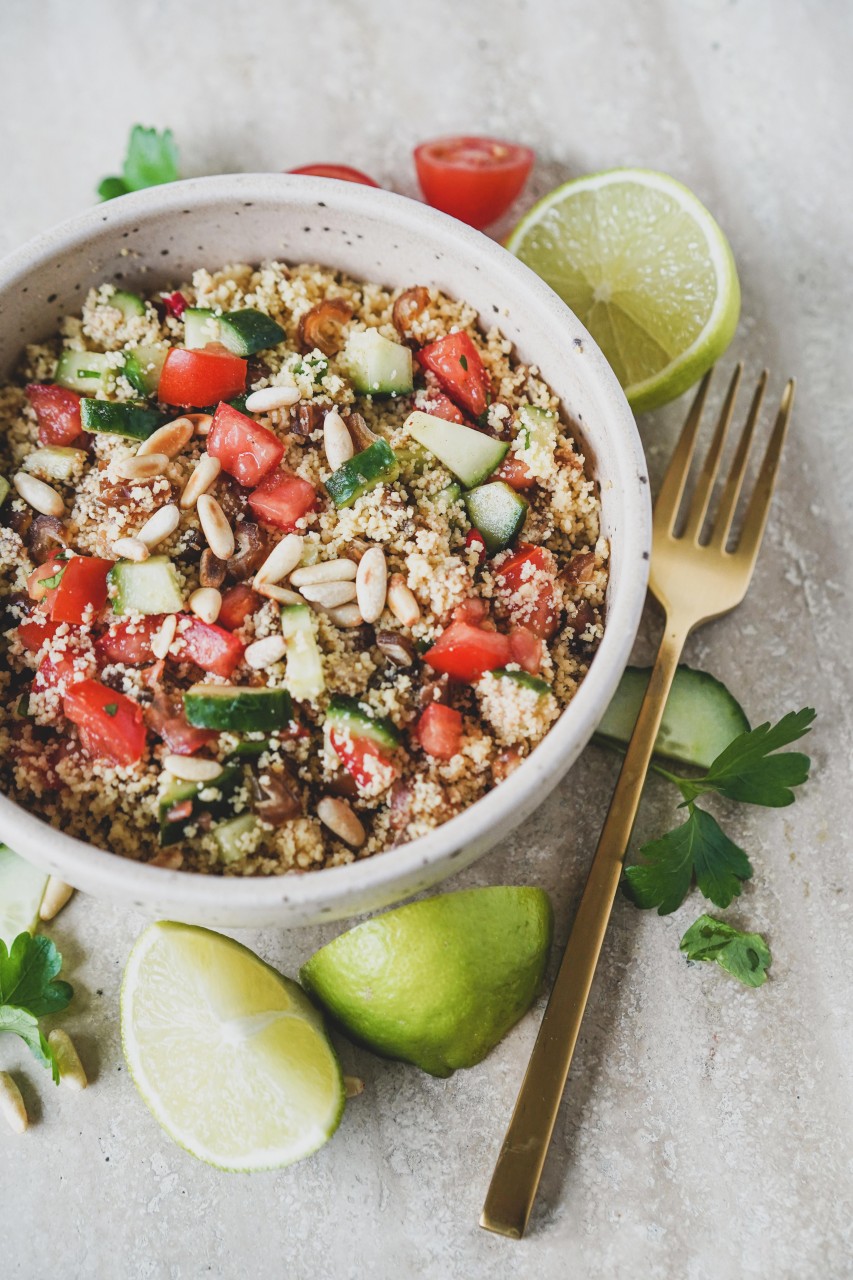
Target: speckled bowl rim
<point>387,877</point>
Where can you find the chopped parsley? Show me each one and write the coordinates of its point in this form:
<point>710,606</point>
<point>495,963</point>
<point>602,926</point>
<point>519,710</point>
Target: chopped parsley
<point>111,708</point>
<point>151,159</point>
<point>745,956</point>
<point>55,579</point>
<point>29,990</point>
<point>463,360</point>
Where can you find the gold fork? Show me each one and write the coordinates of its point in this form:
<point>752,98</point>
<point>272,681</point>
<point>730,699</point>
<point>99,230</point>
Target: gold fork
<point>694,581</point>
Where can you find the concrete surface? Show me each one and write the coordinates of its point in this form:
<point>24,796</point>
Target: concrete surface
<point>707,1129</point>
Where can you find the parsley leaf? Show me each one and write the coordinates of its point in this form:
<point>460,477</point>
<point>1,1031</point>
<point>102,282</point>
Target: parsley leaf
<point>55,579</point>
<point>23,1024</point>
<point>111,708</point>
<point>151,159</point>
<point>698,847</point>
<point>29,989</point>
<point>463,360</point>
<point>744,955</point>
<point>746,771</point>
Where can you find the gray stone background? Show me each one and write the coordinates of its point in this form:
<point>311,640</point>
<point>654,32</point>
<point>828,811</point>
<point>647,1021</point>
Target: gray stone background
<point>707,1129</point>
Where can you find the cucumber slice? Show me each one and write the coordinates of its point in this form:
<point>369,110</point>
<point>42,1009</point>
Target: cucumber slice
<point>470,454</point>
<point>22,888</point>
<point>4,489</point>
<point>537,429</point>
<point>86,371</point>
<point>250,749</point>
<point>700,720</point>
<point>56,461</point>
<point>151,586</point>
<point>377,464</point>
<point>525,679</point>
<point>248,331</point>
<point>129,304</point>
<point>201,325</point>
<point>142,368</point>
<point>350,717</point>
<point>304,671</point>
<point>133,421</point>
<point>182,802</point>
<point>377,366</point>
<point>242,710</point>
<point>497,512</point>
<point>237,837</point>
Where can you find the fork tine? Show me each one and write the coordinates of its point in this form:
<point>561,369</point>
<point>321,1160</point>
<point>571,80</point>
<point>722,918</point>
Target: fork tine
<point>731,492</point>
<point>759,504</point>
<point>711,465</point>
<point>672,489</point>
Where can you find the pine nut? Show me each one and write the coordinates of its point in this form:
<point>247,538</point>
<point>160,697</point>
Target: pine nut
<point>202,422</point>
<point>170,439</point>
<point>371,583</point>
<point>55,896</point>
<point>347,615</point>
<point>272,591</point>
<point>269,398</point>
<point>71,1071</point>
<point>131,549</point>
<point>326,571</point>
<point>40,496</point>
<point>402,602</point>
<point>337,441</point>
<point>161,643</point>
<point>264,653</point>
<point>206,603</point>
<point>206,471</point>
<point>353,1086</point>
<point>339,817</point>
<point>215,527</point>
<point>136,468</point>
<point>161,525</point>
<point>284,557</point>
<point>192,768</point>
<point>12,1104</point>
<point>330,594</point>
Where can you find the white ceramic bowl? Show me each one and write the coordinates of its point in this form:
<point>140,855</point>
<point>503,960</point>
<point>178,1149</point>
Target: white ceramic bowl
<point>158,237</point>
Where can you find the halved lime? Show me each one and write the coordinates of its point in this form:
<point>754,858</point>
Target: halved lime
<point>231,1058</point>
<point>438,982</point>
<point>645,268</point>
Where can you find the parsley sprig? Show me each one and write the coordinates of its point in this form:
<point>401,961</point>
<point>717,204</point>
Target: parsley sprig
<point>151,159</point>
<point>30,989</point>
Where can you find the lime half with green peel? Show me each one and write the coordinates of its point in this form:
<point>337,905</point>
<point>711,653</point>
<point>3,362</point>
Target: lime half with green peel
<point>645,268</point>
<point>439,982</point>
<point>231,1058</point>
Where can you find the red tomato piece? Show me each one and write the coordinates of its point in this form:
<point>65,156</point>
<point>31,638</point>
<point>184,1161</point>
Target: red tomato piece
<point>475,539</point>
<point>439,731</point>
<point>53,671</point>
<point>473,179</point>
<point>82,589</point>
<point>466,653</point>
<point>283,499</point>
<point>456,363</point>
<point>40,585</point>
<point>341,171</point>
<point>209,647</point>
<point>354,752</point>
<point>33,633</point>
<point>237,604</point>
<point>166,717</point>
<point>175,304</point>
<point>197,378</point>
<point>441,406</point>
<point>525,590</point>
<point>526,649</point>
<point>58,413</point>
<point>247,450</point>
<point>513,470</point>
<point>473,610</point>
<point>129,642</point>
<point>110,723</point>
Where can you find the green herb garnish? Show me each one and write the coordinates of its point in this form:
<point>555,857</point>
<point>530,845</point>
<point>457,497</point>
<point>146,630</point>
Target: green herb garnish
<point>29,990</point>
<point>151,159</point>
<point>55,579</point>
<point>111,708</point>
<point>744,955</point>
<point>463,360</point>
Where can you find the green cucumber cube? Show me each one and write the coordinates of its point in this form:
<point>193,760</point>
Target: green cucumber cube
<point>86,371</point>
<point>349,716</point>
<point>201,325</point>
<point>304,671</point>
<point>497,512</point>
<point>133,421</point>
<point>142,368</point>
<point>248,331</point>
<point>377,366</point>
<point>471,455</point>
<point>151,586</point>
<point>377,464</point>
<point>237,708</point>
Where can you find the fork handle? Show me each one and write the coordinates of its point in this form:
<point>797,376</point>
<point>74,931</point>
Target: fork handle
<point>519,1166</point>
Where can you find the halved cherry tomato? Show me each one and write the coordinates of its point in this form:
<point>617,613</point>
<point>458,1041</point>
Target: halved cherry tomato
<point>525,590</point>
<point>209,647</point>
<point>58,412</point>
<point>129,642</point>
<point>283,499</point>
<point>110,723</point>
<point>82,589</point>
<point>473,179</point>
<point>513,470</point>
<point>195,378</point>
<point>456,363</point>
<point>33,633</point>
<point>237,604</point>
<point>354,752</point>
<point>247,449</point>
<point>466,653</point>
<point>439,731</point>
<point>340,171</point>
<point>441,406</point>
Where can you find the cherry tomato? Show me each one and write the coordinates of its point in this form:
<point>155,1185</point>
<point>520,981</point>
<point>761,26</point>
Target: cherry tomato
<point>341,171</point>
<point>110,723</point>
<point>210,647</point>
<point>58,413</point>
<point>82,590</point>
<point>247,449</point>
<point>525,590</point>
<point>456,363</point>
<point>195,378</point>
<point>474,179</point>
<point>283,499</point>
<point>129,642</point>
<point>466,653</point>
<point>237,604</point>
<point>439,731</point>
<point>354,752</point>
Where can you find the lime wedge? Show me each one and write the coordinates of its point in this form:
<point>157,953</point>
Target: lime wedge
<point>22,888</point>
<point>439,982</point>
<point>231,1058</point>
<point>645,268</point>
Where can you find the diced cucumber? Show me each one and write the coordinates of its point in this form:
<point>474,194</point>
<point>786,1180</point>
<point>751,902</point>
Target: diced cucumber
<point>85,371</point>
<point>525,679</point>
<point>240,709</point>
<point>470,454</point>
<point>133,421</point>
<point>250,749</point>
<point>4,489</point>
<point>129,304</point>
<point>497,512</point>
<point>247,331</point>
<point>377,464</point>
<point>57,462</point>
<point>304,671</point>
<point>350,717</point>
<point>142,368</point>
<point>22,888</point>
<point>201,325</point>
<point>700,720</point>
<point>377,366</point>
<point>537,430</point>
<point>150,586</point>
<point>182,802</point>
<point>237,837</point>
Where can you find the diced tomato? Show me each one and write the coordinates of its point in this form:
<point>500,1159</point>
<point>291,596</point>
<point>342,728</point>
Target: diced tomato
<point>282,499</point>
<point>525,589</point>
<point>33,633</point>
<point>166,717</point>
<point>466,653</point>
<point>526,649</point>
<point>247,449</point>
<point>53,671</point>
<point>475,539</point>
<point>441,406</point>
<point>513,470</point>
<point>439,731</point>
<point>197,378</point>
<point>456,363</point>
<point>110,723</point>
<point>473,179</point>
<point>40,584</point>
<point>129,642</point>
<point>175,304</point>
<point>355,752</point>
<point>340,171</point>
<point>82,589</point>
<point>237,604</point>
<point>473,610</point>
<point>58,412</point>
<point>209,647</point>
